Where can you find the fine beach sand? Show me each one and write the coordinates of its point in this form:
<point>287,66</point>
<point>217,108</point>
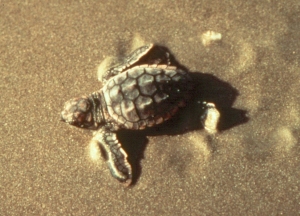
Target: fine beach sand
<point>50,52</point>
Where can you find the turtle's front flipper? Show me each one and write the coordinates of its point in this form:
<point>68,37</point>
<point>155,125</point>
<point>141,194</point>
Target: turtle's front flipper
<point>137,54</point>
<point>115,154</point>
<point>128,61</point>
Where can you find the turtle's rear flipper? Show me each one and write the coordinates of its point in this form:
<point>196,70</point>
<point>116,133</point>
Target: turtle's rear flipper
<point>210,118</point>
<point>115,155</point>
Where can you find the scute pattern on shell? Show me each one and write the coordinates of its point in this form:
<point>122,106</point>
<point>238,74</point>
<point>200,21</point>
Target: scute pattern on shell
<point>145,96</point>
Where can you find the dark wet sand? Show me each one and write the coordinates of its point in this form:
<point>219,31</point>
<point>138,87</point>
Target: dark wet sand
<point>50,53</point>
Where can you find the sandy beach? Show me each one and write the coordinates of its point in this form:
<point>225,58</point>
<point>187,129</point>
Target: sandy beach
<point>50,52</point>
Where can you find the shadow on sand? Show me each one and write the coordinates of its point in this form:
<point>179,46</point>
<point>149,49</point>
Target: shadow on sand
<point>208,88</point>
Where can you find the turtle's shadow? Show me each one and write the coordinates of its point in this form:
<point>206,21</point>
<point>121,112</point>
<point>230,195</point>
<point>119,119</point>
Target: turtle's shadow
<point>208,88</point>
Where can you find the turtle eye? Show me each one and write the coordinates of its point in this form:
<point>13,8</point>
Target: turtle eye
<point>84,120</point>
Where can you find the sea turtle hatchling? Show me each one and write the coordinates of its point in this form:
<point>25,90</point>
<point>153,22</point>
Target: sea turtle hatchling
<point>135,96</point>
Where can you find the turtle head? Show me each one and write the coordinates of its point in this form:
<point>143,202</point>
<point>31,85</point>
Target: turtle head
<point>80,112</point>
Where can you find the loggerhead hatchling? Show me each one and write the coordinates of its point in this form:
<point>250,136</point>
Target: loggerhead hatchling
<point>135,96</point>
